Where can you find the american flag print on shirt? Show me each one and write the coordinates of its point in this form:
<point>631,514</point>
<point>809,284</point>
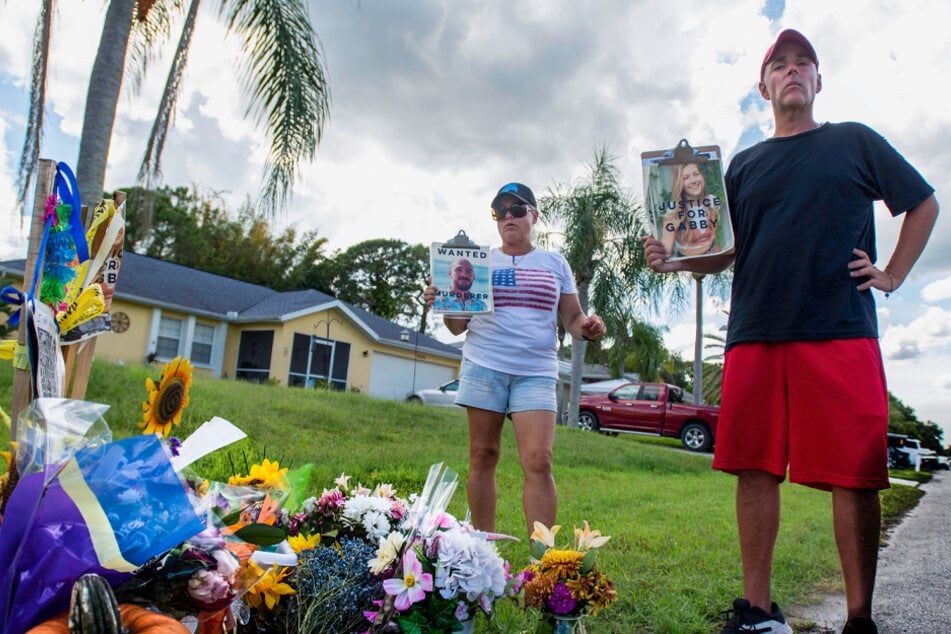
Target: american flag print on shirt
<point>524,288</point>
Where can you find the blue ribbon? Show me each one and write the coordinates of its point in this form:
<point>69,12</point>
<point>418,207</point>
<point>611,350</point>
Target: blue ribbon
<point>12,296</point>
<point>68,191</point>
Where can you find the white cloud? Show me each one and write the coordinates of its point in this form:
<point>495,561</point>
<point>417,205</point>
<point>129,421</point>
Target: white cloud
<point>937,291</point>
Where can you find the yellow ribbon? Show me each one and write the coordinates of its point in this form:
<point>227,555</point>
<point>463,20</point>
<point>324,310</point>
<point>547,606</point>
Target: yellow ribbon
<point>90,303</point>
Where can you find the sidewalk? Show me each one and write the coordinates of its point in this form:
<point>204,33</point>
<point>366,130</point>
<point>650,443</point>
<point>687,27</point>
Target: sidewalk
<point>913,585</point>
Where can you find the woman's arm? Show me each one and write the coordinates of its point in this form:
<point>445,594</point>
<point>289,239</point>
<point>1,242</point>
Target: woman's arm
<point>576,323</point>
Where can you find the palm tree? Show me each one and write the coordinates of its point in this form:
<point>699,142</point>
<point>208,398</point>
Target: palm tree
<point>282,70</point>
<point>600,227</point>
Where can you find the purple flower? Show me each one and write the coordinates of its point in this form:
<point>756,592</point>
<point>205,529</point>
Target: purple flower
<point>198,554</point>
<point>296,521</point>
<point>330,501</point>
<point>174,444</point>
<point>561,601</point>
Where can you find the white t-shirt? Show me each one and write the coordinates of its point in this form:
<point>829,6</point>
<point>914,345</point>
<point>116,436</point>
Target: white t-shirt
<point>521,335</point>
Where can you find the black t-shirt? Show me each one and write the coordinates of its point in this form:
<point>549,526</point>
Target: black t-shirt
<point>799,206</point>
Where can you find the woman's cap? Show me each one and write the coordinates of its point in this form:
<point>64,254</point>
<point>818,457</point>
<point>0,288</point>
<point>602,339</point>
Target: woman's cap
<point>789,35</point>
<point>522,192</point>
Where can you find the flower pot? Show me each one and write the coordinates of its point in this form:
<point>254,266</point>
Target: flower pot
<point>567,624</point>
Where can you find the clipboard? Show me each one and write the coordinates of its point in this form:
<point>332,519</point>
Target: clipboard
<point>461,271</point>
<point>686,202</point>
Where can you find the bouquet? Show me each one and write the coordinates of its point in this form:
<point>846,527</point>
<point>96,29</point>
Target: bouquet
<point>358,512</point>
<point>563,583</point>
<point>437,571</point>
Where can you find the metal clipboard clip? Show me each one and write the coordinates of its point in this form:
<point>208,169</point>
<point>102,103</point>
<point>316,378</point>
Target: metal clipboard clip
<point>683,154</point>
<point>460,241</point>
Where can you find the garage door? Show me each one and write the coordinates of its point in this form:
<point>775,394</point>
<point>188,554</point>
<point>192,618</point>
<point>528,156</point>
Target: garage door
<point>392,376</point>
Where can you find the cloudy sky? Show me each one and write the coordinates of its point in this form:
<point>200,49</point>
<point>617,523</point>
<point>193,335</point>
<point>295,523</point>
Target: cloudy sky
<point>436,103</point>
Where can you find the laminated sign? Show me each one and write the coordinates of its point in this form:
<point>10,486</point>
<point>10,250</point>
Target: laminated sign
<point>685,198</point>
<point>462,275</point>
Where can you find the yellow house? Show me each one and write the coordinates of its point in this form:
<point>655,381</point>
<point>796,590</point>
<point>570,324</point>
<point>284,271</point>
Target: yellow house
<point>232,329</point>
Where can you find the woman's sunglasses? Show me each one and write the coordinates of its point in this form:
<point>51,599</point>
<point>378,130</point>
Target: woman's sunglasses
<point>516,211</point>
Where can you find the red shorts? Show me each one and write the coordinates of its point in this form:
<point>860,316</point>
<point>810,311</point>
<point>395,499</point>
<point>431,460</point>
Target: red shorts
<point>819,408</point>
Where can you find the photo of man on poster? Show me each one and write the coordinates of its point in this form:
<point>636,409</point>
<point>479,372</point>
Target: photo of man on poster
<point>459,296</point>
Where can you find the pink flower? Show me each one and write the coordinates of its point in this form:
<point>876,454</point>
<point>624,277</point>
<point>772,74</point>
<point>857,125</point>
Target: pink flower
<point>412,586</point>
<point>330,500</point>
<point>209,589</point>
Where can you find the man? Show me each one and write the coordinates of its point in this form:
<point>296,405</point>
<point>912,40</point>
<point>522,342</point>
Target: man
<point>459,297</point>
<point>803,368</point>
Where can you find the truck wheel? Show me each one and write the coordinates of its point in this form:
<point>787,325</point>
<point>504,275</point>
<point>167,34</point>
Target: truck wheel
<point>588,421</point>
<point>696,437</point>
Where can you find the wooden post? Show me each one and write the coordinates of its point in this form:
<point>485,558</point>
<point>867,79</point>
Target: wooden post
<point>22,384</point>
<point>79,359</point>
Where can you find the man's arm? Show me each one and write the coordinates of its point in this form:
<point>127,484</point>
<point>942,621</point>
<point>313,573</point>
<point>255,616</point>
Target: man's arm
<point>915,230</point>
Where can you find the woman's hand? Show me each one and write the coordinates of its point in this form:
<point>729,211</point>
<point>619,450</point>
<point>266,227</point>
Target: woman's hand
<point>429,294</point>
<point>592,328</point>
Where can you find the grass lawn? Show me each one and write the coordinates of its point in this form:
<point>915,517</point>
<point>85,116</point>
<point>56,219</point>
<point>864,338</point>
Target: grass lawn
<point>673,554</point>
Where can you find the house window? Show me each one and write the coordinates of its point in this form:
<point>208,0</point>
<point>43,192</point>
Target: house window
<point>203,338</point>
<point>316,361</point>
<point>169,337</point>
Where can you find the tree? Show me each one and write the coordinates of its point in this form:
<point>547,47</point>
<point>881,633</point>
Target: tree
<point>385,277</point>
<point>903,420</point>
<point>193,228</point>
<point>283,72</point>
<point>600,227</point>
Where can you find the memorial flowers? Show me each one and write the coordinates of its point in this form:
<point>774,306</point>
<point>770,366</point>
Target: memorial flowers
<point>563,582</point>
<point>437,571</point>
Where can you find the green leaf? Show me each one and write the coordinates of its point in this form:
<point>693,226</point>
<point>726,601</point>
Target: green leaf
<point>588,562</point>
<point>297,480</point>
<point>260,534</point>
<point>538,549</point>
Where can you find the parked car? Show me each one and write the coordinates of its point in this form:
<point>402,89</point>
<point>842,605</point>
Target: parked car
<point>650,408</point>
<point>905,452</point>
<point>944,463</point>
<point>444,395</point>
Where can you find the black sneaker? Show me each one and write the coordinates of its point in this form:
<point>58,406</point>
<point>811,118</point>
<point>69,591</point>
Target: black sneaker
<point>752,620</point>
<point>860,625</point>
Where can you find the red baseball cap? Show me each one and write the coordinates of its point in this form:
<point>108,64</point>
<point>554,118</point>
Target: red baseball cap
<point>789,35</point>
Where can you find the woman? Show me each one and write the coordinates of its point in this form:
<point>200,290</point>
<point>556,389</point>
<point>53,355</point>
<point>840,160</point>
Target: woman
<point>509,362</point>
<point>691,227</point>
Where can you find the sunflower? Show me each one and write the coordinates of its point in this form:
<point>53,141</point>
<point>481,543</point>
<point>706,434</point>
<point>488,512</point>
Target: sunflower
<point>268,586</point>
<point>264,476</point>
<point>167,399</point>
<point>303,542</point>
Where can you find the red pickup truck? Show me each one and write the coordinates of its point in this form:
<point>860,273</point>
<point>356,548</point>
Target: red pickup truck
<point>650,408</point>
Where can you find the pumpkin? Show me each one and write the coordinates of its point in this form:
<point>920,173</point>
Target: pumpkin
<point>136,619</point>
<point>93,610</point>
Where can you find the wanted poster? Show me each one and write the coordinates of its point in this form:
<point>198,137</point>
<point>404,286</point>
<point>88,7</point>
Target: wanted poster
<point>462,275</point>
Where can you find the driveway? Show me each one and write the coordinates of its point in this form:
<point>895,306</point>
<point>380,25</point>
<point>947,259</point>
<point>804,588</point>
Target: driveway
<point>913,585</point>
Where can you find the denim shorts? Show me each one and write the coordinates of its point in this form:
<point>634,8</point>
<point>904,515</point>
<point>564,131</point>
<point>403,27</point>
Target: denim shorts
<point>502,392</point>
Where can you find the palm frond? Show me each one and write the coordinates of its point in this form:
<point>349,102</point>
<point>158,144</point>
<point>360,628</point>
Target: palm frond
<point>288,86</point>
<point>151,28</point>
<point>151,167</point>
<point>34,125</point>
